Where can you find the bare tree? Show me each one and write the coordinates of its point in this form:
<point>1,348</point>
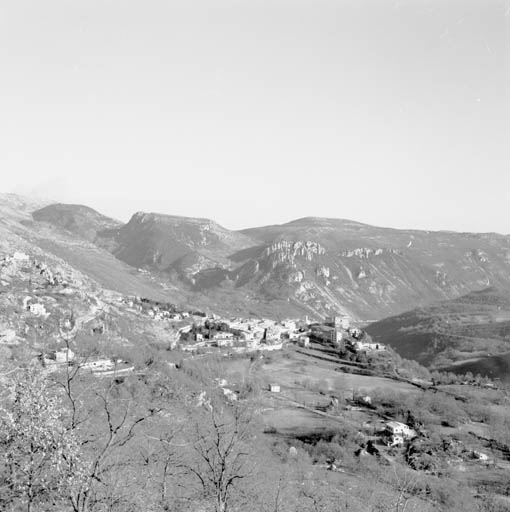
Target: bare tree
<point>117,427</point>
<point>220,455</point>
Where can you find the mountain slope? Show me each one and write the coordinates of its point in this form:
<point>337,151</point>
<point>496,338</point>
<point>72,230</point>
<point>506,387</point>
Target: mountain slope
<point>51,242</point>
<point>312,265</point>
<point>77,219</point>
<point>373,272</point>
<point>157,241</point>
<point>463,334</point>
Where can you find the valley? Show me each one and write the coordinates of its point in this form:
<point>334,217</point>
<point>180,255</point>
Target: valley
<point>471,333</point>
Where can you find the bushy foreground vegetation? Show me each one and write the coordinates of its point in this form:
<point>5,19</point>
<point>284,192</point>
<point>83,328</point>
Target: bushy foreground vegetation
<point>167,439</point>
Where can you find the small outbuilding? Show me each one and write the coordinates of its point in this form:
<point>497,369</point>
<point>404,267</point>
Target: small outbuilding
<point>65,355</point>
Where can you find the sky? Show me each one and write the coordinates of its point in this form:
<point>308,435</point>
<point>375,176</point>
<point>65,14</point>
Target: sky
<point>253,112</point>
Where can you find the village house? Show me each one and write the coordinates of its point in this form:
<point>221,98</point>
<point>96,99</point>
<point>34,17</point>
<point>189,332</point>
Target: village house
<point>290,325</point>
<point>8,337</point>
<point>245,335</point>
<point>224,342</point>
<point>482,457</point>
<point>65,355</point>
<point>230,395</point>
<point>274,388</point>
<point>395,427</point>
<point>356,333</point>
<point>99,365</point>
<point>222,336</point>
<point>37,309</point>
<point>186,329</point>
<point>360,346</point>
<point>270,347</point>
<point>21,257</point>
<point>363,399</point>
<point>258,333</point>
<point>397,433</point>
<point>304,341</point>
<point>273,333</point>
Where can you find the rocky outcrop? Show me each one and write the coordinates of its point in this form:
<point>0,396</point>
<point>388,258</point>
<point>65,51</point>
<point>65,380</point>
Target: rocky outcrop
<point>366,253</point>
<point>287,252</point>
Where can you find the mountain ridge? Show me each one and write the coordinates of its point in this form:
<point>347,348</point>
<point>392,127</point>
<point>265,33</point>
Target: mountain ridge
<point>315,265</point>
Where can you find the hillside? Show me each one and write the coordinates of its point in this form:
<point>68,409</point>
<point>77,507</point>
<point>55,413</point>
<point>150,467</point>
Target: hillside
<point>52,241</point>
<point>157,241</point>
<point>471,333</point>
<point>311,265</point>
<point>77,219</point>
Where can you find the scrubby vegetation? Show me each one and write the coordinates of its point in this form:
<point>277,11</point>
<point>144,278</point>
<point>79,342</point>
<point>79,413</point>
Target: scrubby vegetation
<point>169,438</point>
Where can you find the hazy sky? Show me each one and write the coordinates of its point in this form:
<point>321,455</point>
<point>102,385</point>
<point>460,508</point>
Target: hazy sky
<point>391,112</point>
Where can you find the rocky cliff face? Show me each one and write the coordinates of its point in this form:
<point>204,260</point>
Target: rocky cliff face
<point>285,252</point>
<point>372,272</point>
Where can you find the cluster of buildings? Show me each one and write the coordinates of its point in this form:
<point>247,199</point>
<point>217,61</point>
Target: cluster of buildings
<point>238,335</point>
<point>192,331</point>
<point>155,309</point>
<point>100,367</point>
<point>338,332</point>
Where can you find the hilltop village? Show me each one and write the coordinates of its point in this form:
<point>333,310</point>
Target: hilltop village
<point>194,330</point>
<point>35,291</point>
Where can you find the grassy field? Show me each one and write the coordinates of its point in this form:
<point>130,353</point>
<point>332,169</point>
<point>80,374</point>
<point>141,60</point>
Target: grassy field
<point>309,388</point>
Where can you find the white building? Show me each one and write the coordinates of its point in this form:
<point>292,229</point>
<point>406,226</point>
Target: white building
<point>245,335</point>
<point>355,332</point>
<point>290,325</point>
<point>223,336</point>
<point>398,433</point>
<point>21,257</point>
<point>400,430</point>
<point>270,347</point>
<point>37,309</point>
<point>229,394</point>
<point>375,347</point>
<point>65,355</point>
<point>224,342</point>
<point>482,457</point>
<point>99,365</point>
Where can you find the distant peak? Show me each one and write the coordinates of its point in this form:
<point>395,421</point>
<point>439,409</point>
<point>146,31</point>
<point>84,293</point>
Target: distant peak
<point>71,207</point>
<point>169,219</point>
<point>322,221</point>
